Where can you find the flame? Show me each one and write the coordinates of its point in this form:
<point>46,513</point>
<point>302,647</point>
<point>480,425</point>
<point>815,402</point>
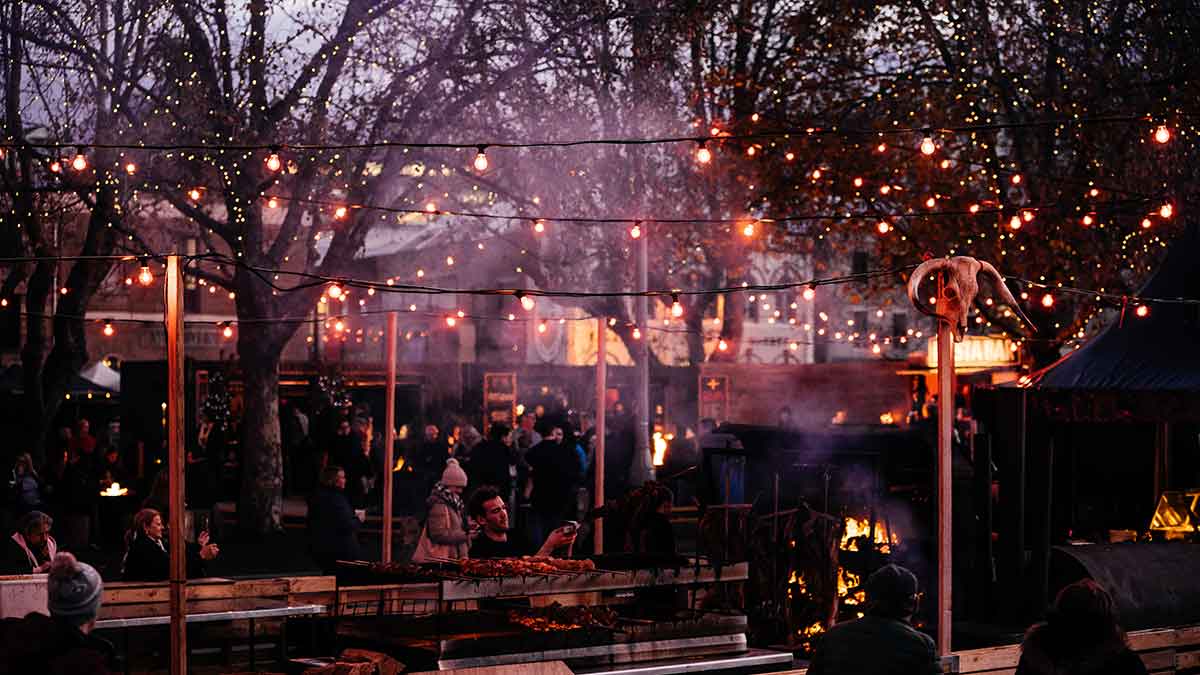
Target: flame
<point>114,490</point>
<point>810,631</point>
<point>399,464</point>
<point>861,527</point>
<point>660,449</point>
<point>887,418</point>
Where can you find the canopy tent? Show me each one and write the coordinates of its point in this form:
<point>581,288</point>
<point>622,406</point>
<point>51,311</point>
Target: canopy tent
<point>1156,353</point>
<point>96,378</point>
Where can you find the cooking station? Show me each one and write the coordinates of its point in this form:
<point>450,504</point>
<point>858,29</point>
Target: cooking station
<point>616,613</point>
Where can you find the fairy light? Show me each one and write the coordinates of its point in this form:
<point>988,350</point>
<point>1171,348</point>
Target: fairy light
<point>974,208</point>
<point>430,207</point>
<point>272,203</point>
<point>108,328</point>
<point>1016,179</point>
<point>816,174</point>
<point>334,291</point>
<point>931,202</point>
<point>527,302</point>
<point>1027,216</point>
<point>55,167</point>
<point>339,325</point>
<point>145,276</point>
<point>542,327</point>
<point>858,182</point>
<point>481,160</point>
<point>676,308</point>
<point>637,333</point>
<point>449,261</point>
<point>1087,219</point>
<point>1147,223</point>
<point>130,168</point>
<point>1015,223</point>
<point>1162,134</point>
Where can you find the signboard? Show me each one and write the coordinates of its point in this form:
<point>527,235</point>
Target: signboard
<point>499,399</point>
<point>976,351</point>
<point>714,397</point>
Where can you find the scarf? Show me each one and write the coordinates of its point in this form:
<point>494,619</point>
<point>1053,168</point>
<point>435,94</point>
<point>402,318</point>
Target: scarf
<point>34,563</point>
<point>452,500</point>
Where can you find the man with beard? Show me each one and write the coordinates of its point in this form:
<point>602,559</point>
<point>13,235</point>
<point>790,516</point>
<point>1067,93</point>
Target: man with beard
<point>489,512</point>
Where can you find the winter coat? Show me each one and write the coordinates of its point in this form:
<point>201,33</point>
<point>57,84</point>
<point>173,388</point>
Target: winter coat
<point>42,644</point>
<point>332,527</point>
<point>443,535</point>
<point>874,645</point>
<point>490,465</point>
<point>150,560</point>
<point>1044,652</point>
<point>15,555</point>
<point>27,495</point>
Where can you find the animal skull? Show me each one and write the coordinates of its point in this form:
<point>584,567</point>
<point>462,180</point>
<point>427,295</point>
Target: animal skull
<point>958,292</point>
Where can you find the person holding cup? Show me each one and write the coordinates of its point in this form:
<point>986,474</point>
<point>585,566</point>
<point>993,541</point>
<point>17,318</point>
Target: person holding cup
<point>332,522</point>
<point>147,555</point>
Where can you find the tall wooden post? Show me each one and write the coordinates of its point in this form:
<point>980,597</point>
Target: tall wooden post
<point>945,436</point>
<point>389,436</point>
<point>643,462</point>
<point>601,396</point>
<point>175,465</point>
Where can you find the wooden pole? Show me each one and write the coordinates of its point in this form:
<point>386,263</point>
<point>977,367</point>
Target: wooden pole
<point>389,436</point>
<point>175,465</point>
<point>643,462</point>
<point>601,396</point>
<point>945,435</point>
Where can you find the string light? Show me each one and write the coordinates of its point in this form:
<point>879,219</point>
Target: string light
<point>809,293</point>
<point>1047,300</point>
<point>334,291</point>
<point>108,328</point>
<point>883,227</point>
<point>55,167</point>
<point>1142,311</point>
<point>722,345</point>
<point>145,276</point>
<point>339,325</point>
<point>1016,179</point>
<point>542,327</point>
<point>272,203</point>
<point>340,212</point>
<point>130,168</point>
<point>527,302</point>
<point>430,207</point>
<point>703,154</point>
<point>1087,219</point>
<point>226,330</point>
<point>636,231</point>
<point>1015,223</point>
<point>194,194</point>
<point>539,226</point>
<point>1146,223</point>
<point>748,229</point>
<point>928,147</point>
<point>1162,134</point>
<point>481,160</point>
<point>79,163</point>
<point>637,333</point>
<point>1166,211</point>
<point>273,162</point>
<point>676,308</point>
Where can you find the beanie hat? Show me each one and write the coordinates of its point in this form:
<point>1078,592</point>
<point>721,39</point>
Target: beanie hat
<point>454,476</point>
<point>73,589</point>
<point>892,591</point>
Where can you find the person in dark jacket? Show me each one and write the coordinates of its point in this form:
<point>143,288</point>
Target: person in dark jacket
<point>493,462</point>
<point>882,642</point>
<point>1080,636</point>
<point>148,558</point>
<point>556,472</point>
<point>62,643</point>
<point>31,548</point>
<point>332,522</point>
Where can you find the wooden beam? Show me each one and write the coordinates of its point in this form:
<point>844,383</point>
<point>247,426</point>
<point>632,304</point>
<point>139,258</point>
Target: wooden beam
<point>945,436</point>
<point>389,436</point>
<point>175,465</point>
<point>601,395</point>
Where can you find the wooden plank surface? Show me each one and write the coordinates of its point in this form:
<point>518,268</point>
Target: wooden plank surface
<point>991,658</point>
<point>543,668</point>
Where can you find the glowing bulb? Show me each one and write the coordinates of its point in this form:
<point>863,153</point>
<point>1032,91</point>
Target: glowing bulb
<point>882,147</point>
<point>1142,310</point>
<point>635,231</point>
<point>340,212</point>
<point>55,167</point>
<point>273,162</point>
<point>748,230</point>
<point>722,346</point>
<point>227,331</point>
<point>539,226</point>
<point>1146,223</point>
<point>145,276</point>
<point>703,154</point>
<point>931,202</point>
<point>542,327</point>
<point>420,274</point>
<point>108,328</point>
<point>1162,134</point>
<point>430,207</point>
<point>809,293</point>
<point>751,150</point>
<point>335,291</point>
<point>272,203</point>
<point>883,227</point>
<point>928,147</point>
<point>451,321</point>
<point>974,208</point>
<point>884,189</point>
<point>449,260</point>
<point>1093,192</point>
<point>790,156</point>
<point>130,168</point>
<point>1015,223</point>
<point>339,325</point>
<point>816,174</point>
<point>1047,300</point>
<point>875,349</point>
<point>1027,216</point>
<point>481,160</point>
<point>637,333</point>
<point>1016,179</point>
<point>527,303</point>
<point>79,163</point>
<point>945,164</point>
<point>1087,219</point>
<point>3,302</point>
<point>676,308</point>
<point>1166,211</point>
<point>194,194</point>
<point>858,182</point>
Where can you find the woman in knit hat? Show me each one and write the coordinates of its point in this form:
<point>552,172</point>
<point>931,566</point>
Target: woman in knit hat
<point>444,536</point>
<point>62,643</point>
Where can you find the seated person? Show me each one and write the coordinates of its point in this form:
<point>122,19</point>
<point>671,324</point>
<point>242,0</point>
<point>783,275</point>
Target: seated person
<point>31,548</point>
<point>489,513</point>
<point>147,557</point>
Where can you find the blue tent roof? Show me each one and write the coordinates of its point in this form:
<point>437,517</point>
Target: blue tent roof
<point>1160,352</point>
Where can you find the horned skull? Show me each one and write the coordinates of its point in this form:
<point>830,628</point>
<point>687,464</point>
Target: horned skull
<point>958,292</point>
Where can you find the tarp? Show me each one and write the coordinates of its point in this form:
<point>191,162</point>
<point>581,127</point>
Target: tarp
<point>1159,352</point>
<point>10,381</point>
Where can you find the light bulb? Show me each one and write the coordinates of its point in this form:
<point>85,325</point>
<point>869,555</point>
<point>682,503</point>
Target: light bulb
<point>928,147</point>
<point>1087,219</point>
<point>272,203</point>
<point>748,230</point>
<point>676,308</point>
<point>3,302</point>
<point>335,291</point>
<point>539,226</point>
<point>1015,223</point>
<point>1047,300</point>
<point>527,302</point>
<point>637,333</point>
<point>875,349</point>
<point>194,194</point>
<point>55,167</point>
<point>882,147</point>
<point>542,327</point>
<point>339,325</point>
<point>340,212</point>
<point>108,328</point>
<point>1166,211</point>
<point>931,202</point>
<point>430,207</point>
<point>481,160</point>
<point>884,189</point>
<point>1146,223</point>
<point>703,154</point>
<point>858,182</point>
<point>1027,216</point>
<point>974,208</point>
<point>789,156</point>
<point>130,168</point>
<point>1162,134</point>
<point>751,150</point>
<point>816,174</point>
<point>1142,310</point>
<point>145,276</point>
<point>79,163</point>
<point>273,162</point>
<point>1016,179</point>
<point>635,231</point>
<point>722,345</point>
<point>449,261</point>
<point>883,227</point>
<point>809,293</point>
<point>227,331</point>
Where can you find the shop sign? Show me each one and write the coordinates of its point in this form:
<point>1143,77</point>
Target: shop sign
<point>975,351</point>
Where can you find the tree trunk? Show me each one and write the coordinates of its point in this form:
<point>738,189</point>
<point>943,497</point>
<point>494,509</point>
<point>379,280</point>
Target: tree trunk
<point>261,504</point>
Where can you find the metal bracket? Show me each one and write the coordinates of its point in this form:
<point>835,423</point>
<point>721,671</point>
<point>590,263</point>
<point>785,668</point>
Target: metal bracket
<point>950,663</point>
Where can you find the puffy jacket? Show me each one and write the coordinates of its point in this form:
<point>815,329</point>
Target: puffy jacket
<point>443,536</point>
